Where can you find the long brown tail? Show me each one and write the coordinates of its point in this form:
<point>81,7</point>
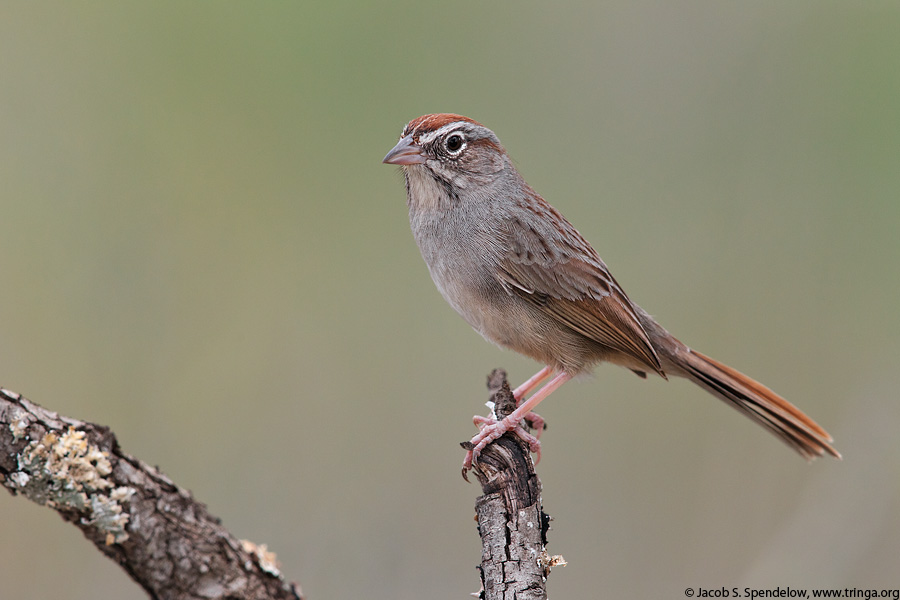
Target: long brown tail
<point>760,404</point>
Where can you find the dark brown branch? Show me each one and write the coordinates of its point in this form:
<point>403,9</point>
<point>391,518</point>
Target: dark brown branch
<point>164,539</point>
<point>512,525</point>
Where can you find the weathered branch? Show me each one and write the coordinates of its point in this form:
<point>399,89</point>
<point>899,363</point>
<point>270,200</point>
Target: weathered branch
<point>172,547</point>
<point>512,525</point>
<point>164,539</point>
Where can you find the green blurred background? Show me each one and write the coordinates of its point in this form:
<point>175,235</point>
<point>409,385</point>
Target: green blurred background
<point>202,250</point>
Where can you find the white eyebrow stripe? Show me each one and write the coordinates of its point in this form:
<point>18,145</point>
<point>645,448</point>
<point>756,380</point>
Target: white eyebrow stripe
<point>430,137</point>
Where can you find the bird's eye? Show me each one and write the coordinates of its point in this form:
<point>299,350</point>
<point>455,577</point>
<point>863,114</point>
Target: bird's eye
<point>454,143</point>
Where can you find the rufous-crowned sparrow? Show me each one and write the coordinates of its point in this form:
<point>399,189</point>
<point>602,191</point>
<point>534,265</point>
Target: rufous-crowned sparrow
<point>522,276</point>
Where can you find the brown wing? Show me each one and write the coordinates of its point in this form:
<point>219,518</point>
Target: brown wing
<point>567,280</point>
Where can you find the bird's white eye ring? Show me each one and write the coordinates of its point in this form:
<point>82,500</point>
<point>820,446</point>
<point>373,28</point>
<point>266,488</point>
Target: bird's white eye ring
<point>454,143</point>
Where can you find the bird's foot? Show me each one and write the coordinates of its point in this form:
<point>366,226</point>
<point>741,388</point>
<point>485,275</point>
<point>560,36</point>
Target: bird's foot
<point>536,422</point>
<point>532,419</point>
<point>492,429</point>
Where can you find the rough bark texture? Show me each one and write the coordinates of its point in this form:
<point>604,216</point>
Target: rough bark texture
<point>164,539</point>
<point>172,547</point>
<point>512,525</point>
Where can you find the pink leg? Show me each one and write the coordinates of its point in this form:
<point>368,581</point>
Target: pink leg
<point>535,420</point>
<point>521,391</point>
<point>491,431</point>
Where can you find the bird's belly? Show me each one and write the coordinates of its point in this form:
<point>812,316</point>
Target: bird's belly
<point>470,285</point>
<point>475,303</point>
<point>510,321</point>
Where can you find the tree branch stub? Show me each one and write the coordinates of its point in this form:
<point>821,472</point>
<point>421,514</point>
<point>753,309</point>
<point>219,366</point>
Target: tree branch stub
<point>512,525</point>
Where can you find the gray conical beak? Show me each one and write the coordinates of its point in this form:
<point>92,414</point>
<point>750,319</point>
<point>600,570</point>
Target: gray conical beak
<point>406,152</point>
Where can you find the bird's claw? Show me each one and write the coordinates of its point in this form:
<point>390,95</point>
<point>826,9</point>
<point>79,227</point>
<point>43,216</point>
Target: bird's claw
<point>491,430</point>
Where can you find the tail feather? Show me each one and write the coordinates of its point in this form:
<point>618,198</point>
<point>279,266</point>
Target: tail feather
<point>760,404</point>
